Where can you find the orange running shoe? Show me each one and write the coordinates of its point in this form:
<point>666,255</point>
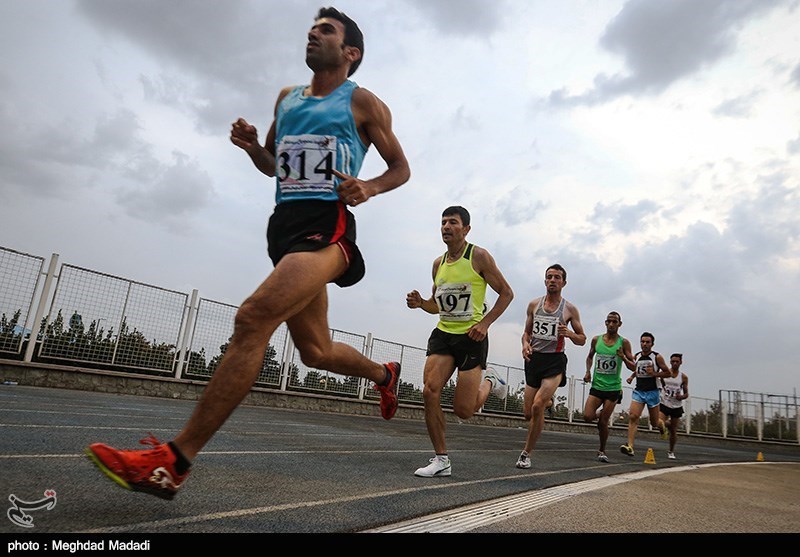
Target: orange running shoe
<point>389,392</point>
<point>150,471</point>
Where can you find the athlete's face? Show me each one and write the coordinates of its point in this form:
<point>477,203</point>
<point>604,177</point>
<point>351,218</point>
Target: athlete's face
<point>326,48</point>
<point>554,280</point>
<point>453,230</point>
<point>612,324</point>
<point>675,363</point>
<point>647,344</point>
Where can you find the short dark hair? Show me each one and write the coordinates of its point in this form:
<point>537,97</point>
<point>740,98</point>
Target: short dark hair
<point>352,34</point>
<point>646,334</point>
<point>676,355</point>
<point>616,314</point>
<point>457,210</point>
<point>557,267</point>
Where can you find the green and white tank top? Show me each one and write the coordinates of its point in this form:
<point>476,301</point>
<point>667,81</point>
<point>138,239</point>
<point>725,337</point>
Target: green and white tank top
<point>607,366</point>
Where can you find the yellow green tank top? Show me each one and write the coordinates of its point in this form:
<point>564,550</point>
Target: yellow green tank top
<point>460,293</point>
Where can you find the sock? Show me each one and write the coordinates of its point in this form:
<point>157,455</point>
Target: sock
<point>443,456</point>
<point>182,464</point>
<point>388,378</point>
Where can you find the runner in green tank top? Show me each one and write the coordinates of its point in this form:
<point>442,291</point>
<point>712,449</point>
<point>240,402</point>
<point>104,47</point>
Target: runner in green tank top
<point>606,353</point>
<point>460,340</point>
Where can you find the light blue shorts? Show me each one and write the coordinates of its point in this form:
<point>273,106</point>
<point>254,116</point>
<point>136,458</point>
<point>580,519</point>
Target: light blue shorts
<point>651,398</point>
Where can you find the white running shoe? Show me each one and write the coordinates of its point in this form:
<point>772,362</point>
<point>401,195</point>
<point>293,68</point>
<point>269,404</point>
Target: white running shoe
<point>671,456</point>
<point>439,466</point>
<point>602,457</point>
<point>524,461</point>
<point>499,387</point>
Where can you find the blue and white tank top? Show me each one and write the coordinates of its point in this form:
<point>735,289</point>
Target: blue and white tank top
<point>313,136</point>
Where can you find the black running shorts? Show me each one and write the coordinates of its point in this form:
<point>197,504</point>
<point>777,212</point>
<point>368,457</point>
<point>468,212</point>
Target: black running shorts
<point>467,353</point>
<point>311,225</point>
<point>616,396</point>
<point>671,412</point>
<point>545,364</point>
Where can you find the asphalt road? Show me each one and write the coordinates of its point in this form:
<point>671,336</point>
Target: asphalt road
<point>280,471</point>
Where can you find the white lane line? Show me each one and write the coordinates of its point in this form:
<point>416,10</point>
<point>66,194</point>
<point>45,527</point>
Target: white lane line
<point>482,514</point>
<point>142,429</point>
<point>309,504</point>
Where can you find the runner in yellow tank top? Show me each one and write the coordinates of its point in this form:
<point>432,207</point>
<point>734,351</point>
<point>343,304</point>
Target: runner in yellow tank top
<point>460,339</point>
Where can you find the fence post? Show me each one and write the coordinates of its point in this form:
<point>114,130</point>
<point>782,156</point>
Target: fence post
<point>570,397</point>
<point>37,319</point>
<point>723,408</point>
<point>190,314</point>
<point>286,361</point>
<point>362,382</point>
<point>687,421</point>
<point>797,424</point>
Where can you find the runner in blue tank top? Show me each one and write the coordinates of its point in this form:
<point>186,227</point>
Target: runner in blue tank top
<point>314,149</point>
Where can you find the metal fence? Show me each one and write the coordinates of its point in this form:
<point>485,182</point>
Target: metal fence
<point>20,274</point>
<point>108,322</point>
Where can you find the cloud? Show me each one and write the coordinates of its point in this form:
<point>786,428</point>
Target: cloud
<point>664,42</point>
<point>42,159</point>
<point>180,189</point>
<point>794,77</point>
<point>737,107</point>
<point>793,146</point>
<point>465,17</point>
<point>519,207</point>
<point>765,226</point>
<point>228,53</point>
<point>626,219</point>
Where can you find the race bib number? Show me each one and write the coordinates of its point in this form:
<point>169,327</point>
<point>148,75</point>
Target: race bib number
<point>305,163</point>
<point>606,364</point>
<point>455,301</point>
<point>642,367</point>
<point>545,327</point>
<point>672,392</point>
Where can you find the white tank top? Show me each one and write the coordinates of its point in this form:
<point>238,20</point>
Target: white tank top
<point>671,387</point>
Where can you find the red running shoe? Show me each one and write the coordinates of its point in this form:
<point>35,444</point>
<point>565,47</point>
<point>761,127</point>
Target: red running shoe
<point>389,392</point>
<point>150,471</point>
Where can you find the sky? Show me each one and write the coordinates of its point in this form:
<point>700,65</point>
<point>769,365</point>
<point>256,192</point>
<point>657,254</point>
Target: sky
<point>650,147</point>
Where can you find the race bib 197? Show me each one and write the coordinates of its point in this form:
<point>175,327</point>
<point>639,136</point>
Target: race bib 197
<point>454,301</point>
